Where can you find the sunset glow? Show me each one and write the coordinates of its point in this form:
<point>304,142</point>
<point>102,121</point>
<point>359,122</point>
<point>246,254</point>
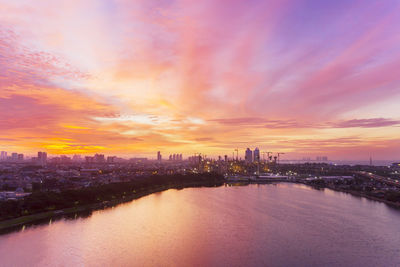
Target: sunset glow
<point>303,77</point>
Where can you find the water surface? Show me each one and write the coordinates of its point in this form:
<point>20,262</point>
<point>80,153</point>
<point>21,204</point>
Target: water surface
<point>255,225</point>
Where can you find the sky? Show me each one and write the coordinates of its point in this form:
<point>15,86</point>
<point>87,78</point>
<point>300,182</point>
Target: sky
<point>303,77</point>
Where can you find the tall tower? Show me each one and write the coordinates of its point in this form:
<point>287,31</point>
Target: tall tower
<point>159,157</point>
<point>3,155</point>
<point>42,158</point>
<point>248,156</point>
<point>256,155</point>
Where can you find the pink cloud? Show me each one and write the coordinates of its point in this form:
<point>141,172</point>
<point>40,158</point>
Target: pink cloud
<point>288,67</point>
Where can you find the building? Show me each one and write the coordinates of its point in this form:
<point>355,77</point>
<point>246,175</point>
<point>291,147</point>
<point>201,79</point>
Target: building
<point>77,158</point>
<point>111,159</point>
<point>89,159</point>
<point>42,158</point>
<point>99,158</point>
<point>20,157</point>
<point>3,155</point>
<point>248,156</point>
<point>138,160</point>
<point>14,156</point>
<point>256,156</point>
<point>323,158</point>
<point>159,157</point>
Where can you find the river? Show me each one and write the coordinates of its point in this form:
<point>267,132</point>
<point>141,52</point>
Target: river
<point>254,225</point>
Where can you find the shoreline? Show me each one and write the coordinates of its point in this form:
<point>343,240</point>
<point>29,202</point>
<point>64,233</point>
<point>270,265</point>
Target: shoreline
<point>395,205</point>
<point>18,223</point>
<point>361,194</point>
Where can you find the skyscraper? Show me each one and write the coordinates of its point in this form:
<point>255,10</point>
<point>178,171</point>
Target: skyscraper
<point>3,155</point>
<point>256,154</point>
<point>77,158</point>
<point>249,155</point>
<point>42,158</point>
<point>99,158</point>
<point>159,157</point>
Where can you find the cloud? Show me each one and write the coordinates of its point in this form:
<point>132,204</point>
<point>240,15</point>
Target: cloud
<point>367,123</point>
<point>292,124</point>
<point>129,76</point>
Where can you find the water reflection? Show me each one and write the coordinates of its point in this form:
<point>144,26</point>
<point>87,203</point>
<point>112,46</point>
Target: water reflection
<point>256,225</point>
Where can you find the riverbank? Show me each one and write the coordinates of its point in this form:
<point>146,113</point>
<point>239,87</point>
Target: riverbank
<point>22,221</point>
<point>351,192</point>
<point>361,194</point>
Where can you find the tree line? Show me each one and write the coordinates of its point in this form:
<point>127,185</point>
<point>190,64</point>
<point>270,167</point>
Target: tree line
<point>48,201</point>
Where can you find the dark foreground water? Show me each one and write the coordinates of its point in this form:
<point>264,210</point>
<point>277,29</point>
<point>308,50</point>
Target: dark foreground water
<point>256,225</point>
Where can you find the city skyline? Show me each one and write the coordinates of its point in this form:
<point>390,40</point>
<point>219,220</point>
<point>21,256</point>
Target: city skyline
<point>304,78</point>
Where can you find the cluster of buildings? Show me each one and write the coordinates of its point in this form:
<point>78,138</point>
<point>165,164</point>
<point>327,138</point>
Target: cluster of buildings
<point>318,158</point>
<point>175,157</point>
<point>14,157</point>
<point>64,172</point>
<point>19,158</point>
<point>252,156</point>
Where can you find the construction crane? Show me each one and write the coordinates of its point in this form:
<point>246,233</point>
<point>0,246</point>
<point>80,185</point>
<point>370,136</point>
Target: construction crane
<point>263,154</point>
<point>279,156</point>
<point>268,156</point>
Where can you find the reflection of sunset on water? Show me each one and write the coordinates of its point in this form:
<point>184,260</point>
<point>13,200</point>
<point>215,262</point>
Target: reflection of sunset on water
<point>245,225</point>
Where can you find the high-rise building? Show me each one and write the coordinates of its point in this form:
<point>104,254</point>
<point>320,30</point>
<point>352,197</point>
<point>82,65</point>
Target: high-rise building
<point>159,157</point>
<point>99,158</point>
<point>42,158</point>
<point>323,158</point>
<point>111,159</point>
<point>256,155</point>
<point>20,157</point>
<point>3,155</point>
<point>14,156</point>
<point>248,156</point>
<point>89,159</point>
<point>77,158</point>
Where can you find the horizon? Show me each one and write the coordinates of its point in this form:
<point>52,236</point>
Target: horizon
<point>153,156</point>
<point>305,78</point>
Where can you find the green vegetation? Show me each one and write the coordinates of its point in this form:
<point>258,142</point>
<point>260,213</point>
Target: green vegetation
<point>48,202</point>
